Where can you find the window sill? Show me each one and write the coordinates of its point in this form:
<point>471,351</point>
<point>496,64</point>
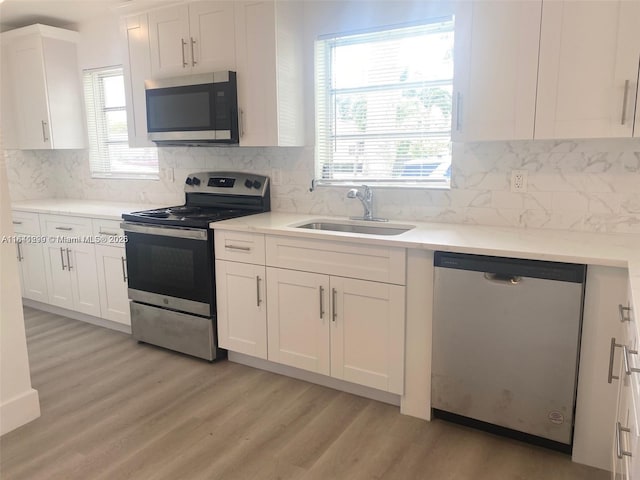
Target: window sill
<point>429,185</point>
<point>124,176</point>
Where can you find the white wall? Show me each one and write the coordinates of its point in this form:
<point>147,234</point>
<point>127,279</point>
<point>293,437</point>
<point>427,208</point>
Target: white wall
<point>18,401</point>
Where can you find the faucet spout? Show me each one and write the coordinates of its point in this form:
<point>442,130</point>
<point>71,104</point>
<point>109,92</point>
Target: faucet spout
<point>365,195</point>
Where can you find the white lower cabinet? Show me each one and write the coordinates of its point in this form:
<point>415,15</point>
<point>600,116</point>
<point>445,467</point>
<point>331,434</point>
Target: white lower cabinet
<point>111,263</point>
<point>30,255</point>
<point>241,307</point>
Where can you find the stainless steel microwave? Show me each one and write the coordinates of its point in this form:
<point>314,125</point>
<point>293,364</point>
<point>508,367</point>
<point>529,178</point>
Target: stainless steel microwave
<point>195,109</point>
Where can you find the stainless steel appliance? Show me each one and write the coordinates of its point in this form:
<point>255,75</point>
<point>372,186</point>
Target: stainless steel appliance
<point>196,109</point>
<point>506,336</point>
<point>170,262</point>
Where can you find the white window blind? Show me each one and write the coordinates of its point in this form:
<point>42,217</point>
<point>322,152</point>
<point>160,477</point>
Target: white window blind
<point>383,105</point>
<point>109,152</point>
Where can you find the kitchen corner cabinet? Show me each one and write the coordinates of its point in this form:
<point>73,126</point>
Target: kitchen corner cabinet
<point>588,69</point>
<point>70,265</point>
<point>194,38</point>
<point>241,293</point>
<point>30,255</point>
<point>47,96</point>
<point>333,309</point>
<point>269,63</point>
<point>495,75</point>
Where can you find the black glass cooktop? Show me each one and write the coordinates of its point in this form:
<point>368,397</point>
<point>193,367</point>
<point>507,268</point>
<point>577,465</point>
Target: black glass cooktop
<point>185,215</point>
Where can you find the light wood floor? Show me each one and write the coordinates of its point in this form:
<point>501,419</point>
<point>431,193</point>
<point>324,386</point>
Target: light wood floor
<point>114,409</point>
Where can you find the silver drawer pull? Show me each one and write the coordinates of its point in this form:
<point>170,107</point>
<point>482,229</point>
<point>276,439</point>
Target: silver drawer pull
<point>235,247</point>
<point>619,451</point>
<point>624,102</point>
<point>66,229</point>
<point>184,60</point>
<point>334,301</point>
<point>612,352</point>
<point>107,233</point>
<point>16,223</point>
<point>20,257</point>
<point>628,369</point>
<point>69,259</point>
<point>321,302</point>
<point>124,270</point>
<point>258,299</point>
<point>64,267</point>
<point>622,309</point>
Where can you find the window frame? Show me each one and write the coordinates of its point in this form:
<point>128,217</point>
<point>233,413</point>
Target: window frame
<point>326,93</point>
<point>100,160</point>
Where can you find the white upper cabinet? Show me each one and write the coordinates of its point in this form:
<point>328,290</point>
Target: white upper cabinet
<point>45,85</point>
<point>193,38</point>
<point>270,69</point>
<point>496,69</point>
<point>588,69</point>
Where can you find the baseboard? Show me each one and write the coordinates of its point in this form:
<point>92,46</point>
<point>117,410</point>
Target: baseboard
<point>19,410</point>
<point>316,378</point>
<point>83,317</point>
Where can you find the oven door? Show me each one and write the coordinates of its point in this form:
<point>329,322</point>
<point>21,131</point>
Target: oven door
<point>170,267</point>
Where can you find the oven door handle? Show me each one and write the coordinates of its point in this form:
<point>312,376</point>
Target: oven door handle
<point>165,231</point>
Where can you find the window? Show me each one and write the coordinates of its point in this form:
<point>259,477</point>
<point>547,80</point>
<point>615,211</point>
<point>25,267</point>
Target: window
<point>383,106</point>
<point>109,152</point>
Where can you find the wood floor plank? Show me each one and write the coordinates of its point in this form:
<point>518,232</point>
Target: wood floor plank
<point>115,409</point>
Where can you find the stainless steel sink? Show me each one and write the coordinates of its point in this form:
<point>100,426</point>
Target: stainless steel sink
<point>373,229</point>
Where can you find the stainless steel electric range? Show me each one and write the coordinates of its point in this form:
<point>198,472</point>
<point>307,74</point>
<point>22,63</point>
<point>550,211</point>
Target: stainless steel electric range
<point>170,260</point>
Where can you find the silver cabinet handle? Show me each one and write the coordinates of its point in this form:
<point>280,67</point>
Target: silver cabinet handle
<point>458,111</point>
<point>334,300</point>
<point>184,60</point>
<point>64,267</point>
<point>193,56</point>
<point>69,259</point>
<point>16,223</point>
<point>235,247</point>
<point>625,97</point>
<point>124,270</point>
<point>321,302</point>
<point>502,279</point>
<point>612,352</point>
<point>20,257</point>
<point>241,122</point>
<point>66,229</point>
<point>619,451</point>
<point>44,131</point>
<point>628,369</point>
<point>622,309</point>
<point>107,233</point>
<point>258,299</point>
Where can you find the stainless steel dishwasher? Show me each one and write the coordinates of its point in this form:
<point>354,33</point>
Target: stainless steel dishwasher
<point>506,338</point>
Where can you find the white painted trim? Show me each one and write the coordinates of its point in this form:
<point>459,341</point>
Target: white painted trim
<point>83,317</point>
<point>19,410</point>
<point>316,378</point>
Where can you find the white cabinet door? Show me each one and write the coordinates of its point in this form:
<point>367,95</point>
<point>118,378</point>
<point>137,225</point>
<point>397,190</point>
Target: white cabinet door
<point>58,278</point>
<point>367,336</point>
<point>169,41</point>
<point>84,275</point>
<point>29,81</point>
<point>589,52</point>
<point>242,311</point>
<point>496,69</point>
<point>212,36</point>
<point>136,70</point>
<point>32,278</point>
<point>112,284</point>
<point>298,319</point>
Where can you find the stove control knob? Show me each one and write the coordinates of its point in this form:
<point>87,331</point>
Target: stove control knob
<point>189,181</point>
<point>196,181</point>
<point>256,184</point>
<point>248,183</point>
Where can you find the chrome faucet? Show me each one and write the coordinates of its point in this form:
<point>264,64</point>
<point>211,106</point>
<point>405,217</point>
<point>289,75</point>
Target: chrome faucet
<point>365,195</point>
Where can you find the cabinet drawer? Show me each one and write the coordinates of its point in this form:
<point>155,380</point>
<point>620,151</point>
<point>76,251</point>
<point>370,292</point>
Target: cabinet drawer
<point>27,223</point>
<point>103,229</point>
<point>366,262</point>
<point>65,226</point>
<point>239,246</point>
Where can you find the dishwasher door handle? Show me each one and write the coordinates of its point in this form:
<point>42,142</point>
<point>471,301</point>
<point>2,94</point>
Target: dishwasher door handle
<point>502,278</point>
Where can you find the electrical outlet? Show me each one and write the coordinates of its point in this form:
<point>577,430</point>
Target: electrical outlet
<point>519,181</point>
<point>276,177</point>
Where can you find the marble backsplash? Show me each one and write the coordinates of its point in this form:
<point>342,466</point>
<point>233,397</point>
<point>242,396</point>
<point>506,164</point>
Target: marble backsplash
<point>589,185</point>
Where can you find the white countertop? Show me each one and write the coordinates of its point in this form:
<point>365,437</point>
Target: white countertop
<point>81,208</point>
<point>615,250</point>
